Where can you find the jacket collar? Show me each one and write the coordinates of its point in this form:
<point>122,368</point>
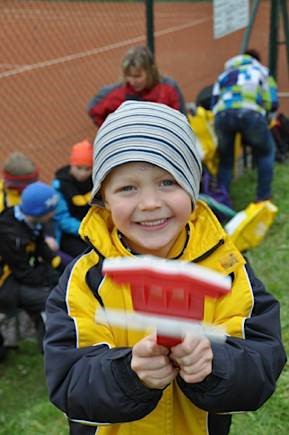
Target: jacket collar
<point>206,236</point>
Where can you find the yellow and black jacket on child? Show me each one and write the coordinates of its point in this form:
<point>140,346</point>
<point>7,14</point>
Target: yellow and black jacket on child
<point>88,364</point>
<point>8,197</point>
<point>25,255</point>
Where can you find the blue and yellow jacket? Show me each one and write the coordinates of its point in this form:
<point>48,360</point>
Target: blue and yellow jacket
<point>88,364</point>
<point>73,201</point>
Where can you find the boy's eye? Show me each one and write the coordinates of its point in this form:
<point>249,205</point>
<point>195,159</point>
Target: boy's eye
<point>127,188</point>
<point>168,182</point>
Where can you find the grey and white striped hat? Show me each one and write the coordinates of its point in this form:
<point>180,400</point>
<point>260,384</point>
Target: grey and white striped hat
<point>147,132</point>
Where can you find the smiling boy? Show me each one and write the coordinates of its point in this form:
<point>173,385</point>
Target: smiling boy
<point>147,206</point>
<point>114,381</point>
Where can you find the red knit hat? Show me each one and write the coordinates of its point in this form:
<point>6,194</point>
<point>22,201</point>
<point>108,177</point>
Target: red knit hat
<point>81,154</point>
<point>19,171</point>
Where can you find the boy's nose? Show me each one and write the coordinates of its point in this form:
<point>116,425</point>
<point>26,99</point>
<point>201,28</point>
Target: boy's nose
<point>149,200</point>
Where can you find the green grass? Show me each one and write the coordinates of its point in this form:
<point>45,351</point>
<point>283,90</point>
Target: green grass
<point>271,263</point>
<point>25,409</point>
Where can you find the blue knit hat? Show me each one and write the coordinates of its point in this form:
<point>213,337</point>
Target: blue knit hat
<point>38,199</point>
<point>147,132</point>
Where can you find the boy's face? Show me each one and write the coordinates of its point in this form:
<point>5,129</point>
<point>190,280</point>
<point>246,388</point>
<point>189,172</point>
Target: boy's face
<point>81,172</point>
<point>41,219</point>
<point>147,206</point>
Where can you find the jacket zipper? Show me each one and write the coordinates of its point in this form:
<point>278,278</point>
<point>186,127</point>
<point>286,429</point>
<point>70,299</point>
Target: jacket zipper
<point>209,252</point>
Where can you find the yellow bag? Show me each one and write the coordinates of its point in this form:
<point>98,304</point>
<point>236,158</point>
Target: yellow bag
<point>202,125</point>
<point>249,227</point>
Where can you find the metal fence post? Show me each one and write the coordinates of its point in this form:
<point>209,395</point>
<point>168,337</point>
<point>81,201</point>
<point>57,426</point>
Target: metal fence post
<point>150,25</point>
<point>284,10</point>
<point>249,28</point>
<point>273,38</point>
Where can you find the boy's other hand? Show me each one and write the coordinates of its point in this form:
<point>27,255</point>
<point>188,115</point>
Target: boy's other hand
<point>194,356</point>
<point>52,243</point>
<point>152,364</point>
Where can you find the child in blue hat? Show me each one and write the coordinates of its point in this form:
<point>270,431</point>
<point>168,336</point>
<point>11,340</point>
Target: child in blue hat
<point>29,268</point>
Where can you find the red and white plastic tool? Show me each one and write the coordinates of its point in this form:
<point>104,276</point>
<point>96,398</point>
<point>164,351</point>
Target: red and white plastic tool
<point>166,294</point>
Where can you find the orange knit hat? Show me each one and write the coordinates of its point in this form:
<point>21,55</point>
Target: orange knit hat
<point>81,154</point>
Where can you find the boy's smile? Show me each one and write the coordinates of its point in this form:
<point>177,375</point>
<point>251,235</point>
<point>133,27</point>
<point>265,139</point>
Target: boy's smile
<point>147,206</point>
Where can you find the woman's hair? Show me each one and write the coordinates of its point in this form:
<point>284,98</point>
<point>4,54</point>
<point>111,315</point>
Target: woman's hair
<point>141,58</point>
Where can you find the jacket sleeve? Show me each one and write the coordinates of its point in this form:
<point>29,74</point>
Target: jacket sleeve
<point>271,99</point>
<point>63,219</point>
<point>15,256</point>
<point>245,371</point>
<point>103,103</point>
<point>178,100</point>
<point>93,384</point>
<point>215,94</point>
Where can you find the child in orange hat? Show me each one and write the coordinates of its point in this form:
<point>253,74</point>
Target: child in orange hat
<point>73,183</point>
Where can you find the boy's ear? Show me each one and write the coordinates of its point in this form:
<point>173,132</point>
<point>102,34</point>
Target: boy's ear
<point>106,204</point>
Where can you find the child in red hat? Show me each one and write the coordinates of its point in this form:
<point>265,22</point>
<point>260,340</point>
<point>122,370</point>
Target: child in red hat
<point>18,171</point>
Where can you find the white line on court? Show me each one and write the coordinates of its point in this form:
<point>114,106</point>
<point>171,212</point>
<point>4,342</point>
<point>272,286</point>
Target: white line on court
<point>10,65</point>
<point>98,50</point>
<point>24,14</point>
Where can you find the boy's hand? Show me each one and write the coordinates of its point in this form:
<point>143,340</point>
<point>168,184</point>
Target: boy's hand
<point>152,364</point>
<point>194,356</point>
<point>52,243</point>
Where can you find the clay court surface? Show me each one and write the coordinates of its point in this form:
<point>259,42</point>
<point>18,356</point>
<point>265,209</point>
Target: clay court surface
<point>54,56</point>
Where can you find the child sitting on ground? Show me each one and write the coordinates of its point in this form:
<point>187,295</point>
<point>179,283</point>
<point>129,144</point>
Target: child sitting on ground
<point>73,183</point>
<point>29,268</point>
<point>18,171</point>
<point>113,380</point>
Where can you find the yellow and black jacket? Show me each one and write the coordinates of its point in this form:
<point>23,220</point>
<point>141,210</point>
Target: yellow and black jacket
<point>8,197</point>
<point>25,254</point>
<point>88,364</point>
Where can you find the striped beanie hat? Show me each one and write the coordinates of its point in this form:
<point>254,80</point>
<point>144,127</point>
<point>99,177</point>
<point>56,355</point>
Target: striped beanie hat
<point>147,132</point>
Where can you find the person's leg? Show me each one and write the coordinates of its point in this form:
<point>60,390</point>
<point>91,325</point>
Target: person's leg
<point>33,300</point>
<point>257,134</point>
<point>9,296</point>
<point>225,132</point>
<point>3,349</point>
<point>265,167</point>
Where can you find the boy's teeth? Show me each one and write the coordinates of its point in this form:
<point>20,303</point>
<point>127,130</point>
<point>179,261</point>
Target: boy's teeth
<point>152,223</point>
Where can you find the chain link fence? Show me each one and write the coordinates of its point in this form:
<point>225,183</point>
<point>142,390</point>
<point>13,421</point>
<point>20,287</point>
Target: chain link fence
<point>55,55</point>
